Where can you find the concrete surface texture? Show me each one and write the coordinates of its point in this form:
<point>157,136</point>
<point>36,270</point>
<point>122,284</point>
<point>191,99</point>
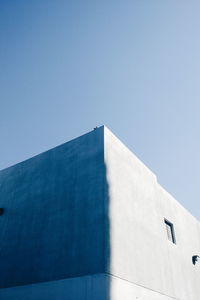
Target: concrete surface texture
<point>53,226</point>
<point>86,220</point>
<point>140,251</point>
<point>80,288</point>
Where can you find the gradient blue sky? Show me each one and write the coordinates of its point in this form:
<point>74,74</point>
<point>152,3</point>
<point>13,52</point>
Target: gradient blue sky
<point>67,66</point>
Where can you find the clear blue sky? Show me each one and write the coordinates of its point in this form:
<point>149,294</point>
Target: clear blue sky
<point>67,66</point>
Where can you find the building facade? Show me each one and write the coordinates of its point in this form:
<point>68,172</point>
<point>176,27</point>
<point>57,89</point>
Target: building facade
<point>88,220</point>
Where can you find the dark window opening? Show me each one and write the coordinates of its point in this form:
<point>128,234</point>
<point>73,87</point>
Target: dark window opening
<point>170,231</point>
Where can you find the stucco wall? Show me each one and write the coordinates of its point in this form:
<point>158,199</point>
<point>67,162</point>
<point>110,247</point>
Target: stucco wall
<point>140,251</point>
<point>53,226</point>
<point>91,206</point>
<point>92,287</point>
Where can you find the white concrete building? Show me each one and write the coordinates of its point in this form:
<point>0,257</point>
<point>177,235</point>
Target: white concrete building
<point>88,220</point>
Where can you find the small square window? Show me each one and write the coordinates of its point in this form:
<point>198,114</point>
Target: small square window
<point>170,231</point>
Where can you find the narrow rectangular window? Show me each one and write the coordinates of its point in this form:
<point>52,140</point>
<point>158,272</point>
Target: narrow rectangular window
<point>170,231</point>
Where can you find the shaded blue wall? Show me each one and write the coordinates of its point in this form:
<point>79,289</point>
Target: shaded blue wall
<point>92,287</point>
<point>54,225</point>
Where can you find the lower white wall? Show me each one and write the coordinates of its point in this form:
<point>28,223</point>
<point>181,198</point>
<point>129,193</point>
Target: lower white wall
<point>121,289</point>
<point>92,287</point>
